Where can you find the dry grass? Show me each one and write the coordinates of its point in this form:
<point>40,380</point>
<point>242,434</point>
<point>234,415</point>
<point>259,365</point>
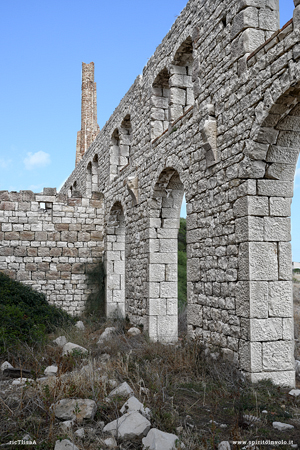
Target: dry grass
<point>189,394</point>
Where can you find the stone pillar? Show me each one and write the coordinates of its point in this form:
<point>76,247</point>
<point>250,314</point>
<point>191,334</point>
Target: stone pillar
<point>89,126</point>
<point>264,300</point>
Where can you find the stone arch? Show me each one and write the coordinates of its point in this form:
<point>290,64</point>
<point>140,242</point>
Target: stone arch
<point>95,180</point>
<point>115,262</point>
<point>162,272</point>
<point>89,180</point>
<point>264,293</point>
<point>181,86</point>
<point>160,104</point>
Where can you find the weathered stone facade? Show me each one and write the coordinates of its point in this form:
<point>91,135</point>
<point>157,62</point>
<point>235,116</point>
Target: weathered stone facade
<point>48,240</point>
<point>215,116</point>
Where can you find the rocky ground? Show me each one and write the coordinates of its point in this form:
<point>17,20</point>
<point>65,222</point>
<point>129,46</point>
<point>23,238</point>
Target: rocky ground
<point>110,388</point>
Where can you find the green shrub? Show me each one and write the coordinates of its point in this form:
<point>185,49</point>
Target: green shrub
<point>25,314</point>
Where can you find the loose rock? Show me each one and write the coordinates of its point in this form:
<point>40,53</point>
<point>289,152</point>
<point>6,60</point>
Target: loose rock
<point>123,390</point>
<point>65,444</point>
<point>130,426</point>
<point>80,432</point>
<point>133,404</point>
<point>295,392</point>
<point>158,440</point>
<point>60,341</point>
<point>224,445</point>
<point>6,365</point>
<point>133,331</point>
<point>69,409</point>
<point>110,442</point>
<point>107,333</point>
<point>51,371</point>
<point>69,347</point>
<point>80,325</point>
<point>282,426</point>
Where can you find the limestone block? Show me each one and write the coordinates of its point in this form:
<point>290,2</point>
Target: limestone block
<point>249,228</point>
<point>252,206</point>
<point>156,272</point>
<point>209,136</point>
<point>251,356</point>
<point>168,245</point>
<point>133,404</point>
<point>288,329</point>
<point>172,306</point>
<point>163,258</point>
<point>268,20</point>
<point>114,281</point>
<point>252,299</point>
<point>171,272</point>
<point>274,188</point>
<point>277,229</point>
<point>279,171</point>
<point>168,328</point>
<point>284,155</point>
<point>281,378</point>
<point>285,260</point>
<point>296,17</point>
<point>176,111</point>
<point>154,290</point>
<point>268,135</point>
<point>280,207</point>
<point>278,355</point>
<point>247,18</point>
<point>266,329</point>
<point>258,261</point>
<point>177,96</point>
<point>160,102</point>
<point>179,70</point>
<point>165,233</point>
<point>119,267</point>
<point>157,113</point>
<point>280,299</point>
<point>168,289</point>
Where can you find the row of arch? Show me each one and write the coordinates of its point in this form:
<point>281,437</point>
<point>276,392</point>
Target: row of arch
<point>172,95</point>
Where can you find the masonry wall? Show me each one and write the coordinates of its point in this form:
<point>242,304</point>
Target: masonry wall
<point>213,116</point>
<point>48,241</point>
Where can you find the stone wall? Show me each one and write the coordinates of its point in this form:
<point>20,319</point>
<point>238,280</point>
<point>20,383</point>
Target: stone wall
<point>48,241</point>
<point>214,116</point>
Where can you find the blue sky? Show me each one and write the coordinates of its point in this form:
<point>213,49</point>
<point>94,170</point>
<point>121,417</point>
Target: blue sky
<point>42,47</point>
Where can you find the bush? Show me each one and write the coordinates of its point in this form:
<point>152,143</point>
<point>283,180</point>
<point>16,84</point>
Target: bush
<point>25,314</point>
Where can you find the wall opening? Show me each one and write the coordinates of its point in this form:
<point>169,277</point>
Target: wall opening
<point>115,262</point>
<point>125,142</point>
<point>163,257</point>
<point>95,174</point>
<point>88,190</point>
<point>160,104</point>
<point>181,85</point>
<point>114,155</point>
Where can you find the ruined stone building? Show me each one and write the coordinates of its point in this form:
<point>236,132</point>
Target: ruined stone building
<point>215,115</point>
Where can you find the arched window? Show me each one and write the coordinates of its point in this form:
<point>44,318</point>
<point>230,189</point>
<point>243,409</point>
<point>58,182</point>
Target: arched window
<point>160,104</point>
<point>181,86</point>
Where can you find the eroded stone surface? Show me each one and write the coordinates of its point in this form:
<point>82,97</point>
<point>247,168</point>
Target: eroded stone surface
<point>70,409</point>
<point>130,426</point>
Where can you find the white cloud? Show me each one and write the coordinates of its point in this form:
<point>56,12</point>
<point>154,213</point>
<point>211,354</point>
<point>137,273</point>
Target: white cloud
<point>4,163</point>
<point>36,160</point>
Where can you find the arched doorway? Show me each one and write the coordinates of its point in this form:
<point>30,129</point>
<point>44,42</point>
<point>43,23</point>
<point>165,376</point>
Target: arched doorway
<point>162,273</point>
<point>115,262</point>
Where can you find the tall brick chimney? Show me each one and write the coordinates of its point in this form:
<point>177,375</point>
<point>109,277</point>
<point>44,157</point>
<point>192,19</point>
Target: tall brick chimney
<point>89,126</point>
